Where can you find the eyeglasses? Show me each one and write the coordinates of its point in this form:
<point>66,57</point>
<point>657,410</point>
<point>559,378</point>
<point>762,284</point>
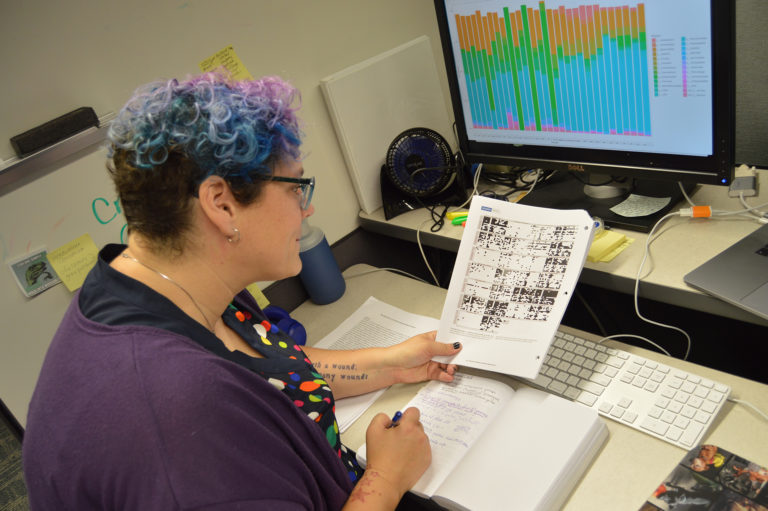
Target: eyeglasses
<point>306,184</point>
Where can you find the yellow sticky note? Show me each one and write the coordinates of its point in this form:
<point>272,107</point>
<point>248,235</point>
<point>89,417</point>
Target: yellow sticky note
<point>74,260</point>
<point>603,244</point>
<point>607,258</point>
<point>258,295</point>
<point>229,61</point>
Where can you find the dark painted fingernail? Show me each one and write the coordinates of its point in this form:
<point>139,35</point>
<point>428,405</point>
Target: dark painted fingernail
<point>456,345</point>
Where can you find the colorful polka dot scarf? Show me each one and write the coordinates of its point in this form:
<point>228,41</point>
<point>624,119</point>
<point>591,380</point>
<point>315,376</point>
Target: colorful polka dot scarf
<point>298,380</point>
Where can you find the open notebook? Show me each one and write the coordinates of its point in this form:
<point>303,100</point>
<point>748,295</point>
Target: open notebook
<point>494,447</point>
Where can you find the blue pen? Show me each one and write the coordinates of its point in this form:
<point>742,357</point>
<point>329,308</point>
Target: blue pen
<point>395,420</point>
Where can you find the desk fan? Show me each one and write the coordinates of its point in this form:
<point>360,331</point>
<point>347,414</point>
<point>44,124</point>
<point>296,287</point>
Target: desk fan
<point>419,170</point>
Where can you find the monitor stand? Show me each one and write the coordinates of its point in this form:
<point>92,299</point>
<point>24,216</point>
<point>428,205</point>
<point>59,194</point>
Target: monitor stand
<point>563,191</point>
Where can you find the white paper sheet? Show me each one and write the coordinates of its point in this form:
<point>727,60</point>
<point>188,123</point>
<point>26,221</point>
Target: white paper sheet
<point>374,325</point>
<point>515,272</point>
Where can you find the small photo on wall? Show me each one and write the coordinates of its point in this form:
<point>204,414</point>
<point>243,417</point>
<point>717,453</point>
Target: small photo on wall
<point>33,273</point>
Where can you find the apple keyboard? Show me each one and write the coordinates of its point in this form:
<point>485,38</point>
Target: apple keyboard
<point>668,403</point>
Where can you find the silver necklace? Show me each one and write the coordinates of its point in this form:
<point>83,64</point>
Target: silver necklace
<point>169,279</point>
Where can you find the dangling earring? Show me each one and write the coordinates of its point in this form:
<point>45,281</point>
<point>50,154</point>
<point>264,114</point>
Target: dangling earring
<point>235,237</point>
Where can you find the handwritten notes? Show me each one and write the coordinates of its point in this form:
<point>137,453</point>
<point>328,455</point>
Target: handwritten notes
<point>454,415</point>
<point>228,60</point>
<point>74,260</point>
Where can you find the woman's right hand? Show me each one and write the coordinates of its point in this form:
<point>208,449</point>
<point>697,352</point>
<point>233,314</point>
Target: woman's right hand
<point>395,459</point>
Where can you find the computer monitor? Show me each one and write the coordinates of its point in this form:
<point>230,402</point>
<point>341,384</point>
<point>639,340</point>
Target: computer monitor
<point>637,93</point>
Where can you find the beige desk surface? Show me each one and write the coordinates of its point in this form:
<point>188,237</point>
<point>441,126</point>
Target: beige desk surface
<point>630,466</point>
<point>680,245</point>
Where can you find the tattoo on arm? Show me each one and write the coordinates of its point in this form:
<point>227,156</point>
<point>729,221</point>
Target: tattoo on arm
<point>346,372</point>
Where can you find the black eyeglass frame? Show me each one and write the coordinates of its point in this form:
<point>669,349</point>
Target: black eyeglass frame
<point>307,185</point>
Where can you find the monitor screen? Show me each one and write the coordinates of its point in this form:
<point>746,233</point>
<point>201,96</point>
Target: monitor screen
<point>633,92</point>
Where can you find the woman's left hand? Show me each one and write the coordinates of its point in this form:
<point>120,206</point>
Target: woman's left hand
<point>411,360</point>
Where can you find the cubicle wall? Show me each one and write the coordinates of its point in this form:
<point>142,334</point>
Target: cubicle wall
<point>58,56</point>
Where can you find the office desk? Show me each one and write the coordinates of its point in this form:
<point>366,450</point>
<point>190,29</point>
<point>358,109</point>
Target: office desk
<point>680,245</point>
<point>630,466</point>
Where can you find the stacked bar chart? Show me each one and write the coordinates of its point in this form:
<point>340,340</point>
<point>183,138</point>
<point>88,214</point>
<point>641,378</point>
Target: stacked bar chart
<point>577,70</point>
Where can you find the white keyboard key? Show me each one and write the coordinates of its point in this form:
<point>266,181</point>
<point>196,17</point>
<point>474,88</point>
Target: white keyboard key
<point>675,382</point>
<point>605,407</point>
<point>630,417</point>
<point>651,386</point>
<point>654,426</point>
<point>668,417</point>
<point>557,386</point>
<point>702,417</point>
<point>688,387</point>
<point>715,396</point>
<point>668,392</point>
<point>542,380</point>
<point>587,398</point>
<point>591,387</point>
<point>674,433</point>
<point>572,393</point>
<point>688,412</point>
<point>691,434</point>
<point>701,392</point>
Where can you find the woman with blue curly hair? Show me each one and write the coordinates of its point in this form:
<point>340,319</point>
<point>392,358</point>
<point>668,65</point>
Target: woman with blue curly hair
<point>166,387</point>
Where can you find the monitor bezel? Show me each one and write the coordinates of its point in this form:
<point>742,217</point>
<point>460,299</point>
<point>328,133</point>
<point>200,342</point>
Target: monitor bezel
<point>715,169</point>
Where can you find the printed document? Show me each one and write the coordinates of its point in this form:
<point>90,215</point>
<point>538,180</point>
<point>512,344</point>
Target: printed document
<point>374,324</point>
<point>515,272</point>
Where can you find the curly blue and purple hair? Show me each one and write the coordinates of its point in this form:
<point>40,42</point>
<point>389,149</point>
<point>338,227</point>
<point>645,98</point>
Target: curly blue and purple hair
<point>172,135</point>
<point>226,128</point>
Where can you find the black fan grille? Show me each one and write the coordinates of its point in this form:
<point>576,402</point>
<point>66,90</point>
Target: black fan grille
<point>419,162</point>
